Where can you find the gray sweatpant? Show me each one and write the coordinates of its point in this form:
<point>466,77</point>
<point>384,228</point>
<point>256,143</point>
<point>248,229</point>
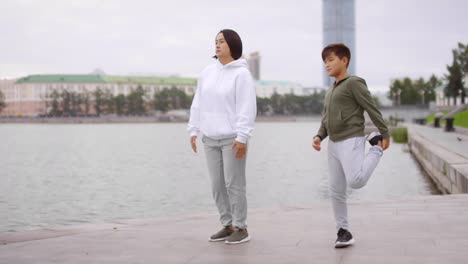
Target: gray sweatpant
<point>228,181</point>
<point>348,166</point>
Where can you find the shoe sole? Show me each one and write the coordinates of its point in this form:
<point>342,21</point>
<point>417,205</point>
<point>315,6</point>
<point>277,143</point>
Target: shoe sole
<point>217,239</point>
<point>344,244</point>
<point>238,242</point>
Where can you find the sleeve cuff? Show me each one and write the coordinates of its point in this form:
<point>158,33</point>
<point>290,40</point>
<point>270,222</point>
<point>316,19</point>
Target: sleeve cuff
<point>241,139</point>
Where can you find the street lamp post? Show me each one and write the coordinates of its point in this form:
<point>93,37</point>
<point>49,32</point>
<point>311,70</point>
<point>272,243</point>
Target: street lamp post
<point>422,96</point>
<point>398,92</point>
<point>460,94</point>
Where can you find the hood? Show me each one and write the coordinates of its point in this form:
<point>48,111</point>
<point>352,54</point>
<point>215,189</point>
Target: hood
<point>234,64</point>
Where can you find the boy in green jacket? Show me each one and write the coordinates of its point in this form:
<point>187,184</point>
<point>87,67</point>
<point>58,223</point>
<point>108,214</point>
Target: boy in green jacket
<point>343,121</point>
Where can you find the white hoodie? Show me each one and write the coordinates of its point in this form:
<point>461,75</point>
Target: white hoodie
<point>225,103</point>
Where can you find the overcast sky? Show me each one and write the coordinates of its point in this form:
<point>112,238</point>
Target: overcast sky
<point>394,38</point>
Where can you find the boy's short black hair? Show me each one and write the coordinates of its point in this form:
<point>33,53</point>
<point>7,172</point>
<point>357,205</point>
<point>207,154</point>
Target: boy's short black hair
<point>339,49</point>
<point>234,42</point>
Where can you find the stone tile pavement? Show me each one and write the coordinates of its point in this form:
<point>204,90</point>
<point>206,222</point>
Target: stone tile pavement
<point>429,229</point>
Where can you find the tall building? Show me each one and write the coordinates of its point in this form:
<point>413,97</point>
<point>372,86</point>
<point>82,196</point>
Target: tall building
<point>254,64</point>
<point>339,27</point>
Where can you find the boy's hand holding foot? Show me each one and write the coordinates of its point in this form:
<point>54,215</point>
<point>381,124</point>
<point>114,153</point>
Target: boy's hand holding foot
<point>384,143</point>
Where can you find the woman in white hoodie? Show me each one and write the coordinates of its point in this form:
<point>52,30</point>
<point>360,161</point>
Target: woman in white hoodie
<point>223,111</point>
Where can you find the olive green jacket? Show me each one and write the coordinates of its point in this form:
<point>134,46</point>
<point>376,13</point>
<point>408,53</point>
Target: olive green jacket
<point>343,114</point>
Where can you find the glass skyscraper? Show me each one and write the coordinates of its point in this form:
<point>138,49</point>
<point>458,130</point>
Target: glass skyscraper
<point>339,27</point>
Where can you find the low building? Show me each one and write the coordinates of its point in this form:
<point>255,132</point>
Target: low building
<point>27,96</point>
<point>30,95</point>
<point>265,89</point>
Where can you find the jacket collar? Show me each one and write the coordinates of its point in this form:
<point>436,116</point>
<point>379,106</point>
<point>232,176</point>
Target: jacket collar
<point>335,84</point>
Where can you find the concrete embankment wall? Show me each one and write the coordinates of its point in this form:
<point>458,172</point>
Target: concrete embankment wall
<point>448,170</point>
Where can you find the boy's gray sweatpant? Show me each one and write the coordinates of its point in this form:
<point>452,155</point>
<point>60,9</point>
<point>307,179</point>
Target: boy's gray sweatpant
<point>348,166</point>
<point>228,181</point>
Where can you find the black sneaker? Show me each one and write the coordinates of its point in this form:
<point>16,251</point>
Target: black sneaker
<point>222,234</point>
<point>374,138</point>
<point>345,239</point>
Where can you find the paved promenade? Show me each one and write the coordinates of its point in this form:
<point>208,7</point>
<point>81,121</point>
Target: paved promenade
<point>456,142</point>
<point>428,229</point>
<point>431,229</point>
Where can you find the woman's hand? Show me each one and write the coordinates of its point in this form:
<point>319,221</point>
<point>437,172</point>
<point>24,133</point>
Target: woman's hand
<point>241,149</point>
<point>193,142</point>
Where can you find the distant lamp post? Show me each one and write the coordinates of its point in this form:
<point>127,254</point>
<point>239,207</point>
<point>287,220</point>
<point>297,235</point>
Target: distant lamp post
<point>460,94</point>
<point>422,96</point>
<point>398,92</point>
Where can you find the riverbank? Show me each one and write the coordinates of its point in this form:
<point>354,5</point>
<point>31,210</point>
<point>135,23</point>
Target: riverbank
<point>137,119</point>
<point>443,155</point>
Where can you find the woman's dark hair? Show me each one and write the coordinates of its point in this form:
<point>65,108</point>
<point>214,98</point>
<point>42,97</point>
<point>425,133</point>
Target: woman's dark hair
<point>234,42</point>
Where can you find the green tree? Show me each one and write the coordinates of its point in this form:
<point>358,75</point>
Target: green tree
<point>169,99</point>
<point>292,104</point>
<point>55,104</point>
<point>136,103</point>
<point>85,99</point>
<point>76,101</point>
<point>313,104</point>
<point>179,99</point>
<point>161,101</point>
<point>461,55</point>
<point>108,101</point>
<point>45,99</point>
<point>120,104</point>
<point>317,102</point>
<point>409,95</point>
<point>454,86</point>
<point>277,103</point>
<point>395,91</point>
<point>420,86</point>
<point>431,85</point>
<point>2,101</point>
<point>98,101</point>
<point>66,102</point>
<point>263,105</point>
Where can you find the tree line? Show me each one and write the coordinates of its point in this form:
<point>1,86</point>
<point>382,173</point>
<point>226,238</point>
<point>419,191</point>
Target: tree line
<point>409,91</point>
<point>138,103</point>
<point>65,103</point>
<point>103,101</point>
<point>2,101</point>
<point>290,104</point>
